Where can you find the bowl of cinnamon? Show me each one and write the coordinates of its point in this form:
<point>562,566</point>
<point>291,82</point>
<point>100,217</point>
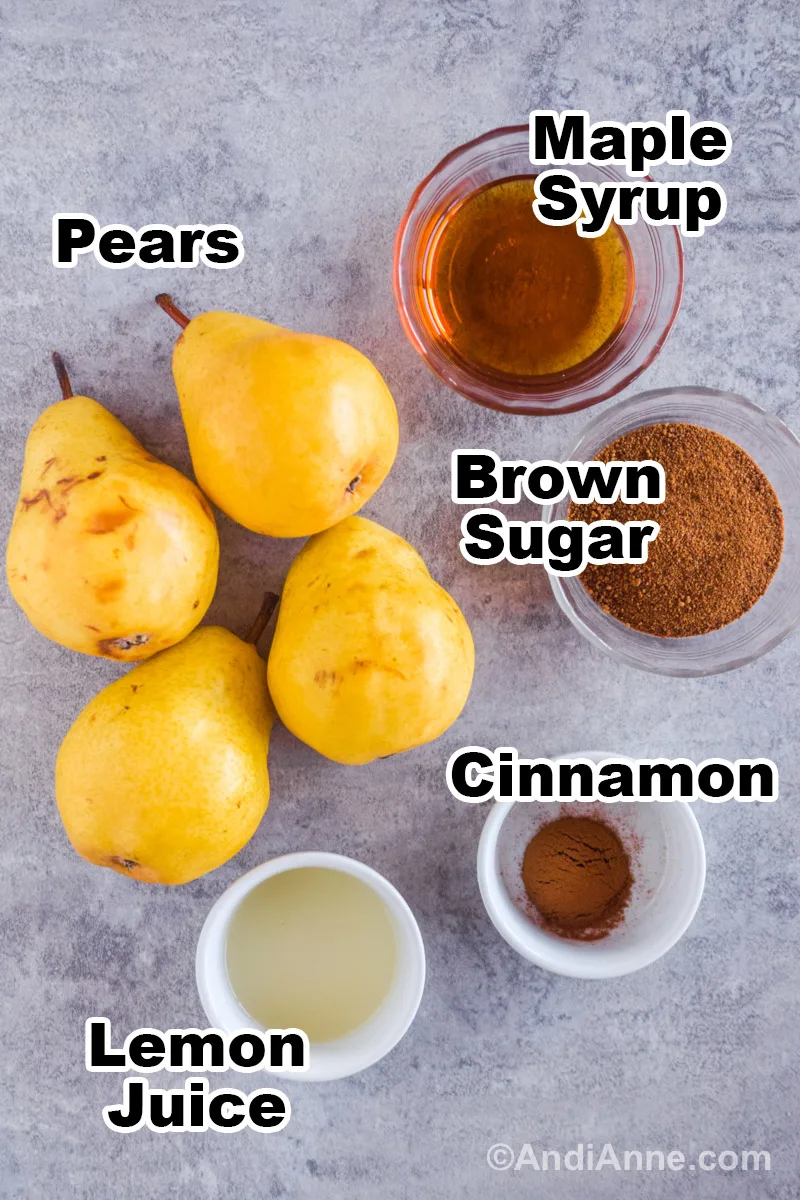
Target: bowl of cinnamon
<point>589,889</point>
<point>721,584</point>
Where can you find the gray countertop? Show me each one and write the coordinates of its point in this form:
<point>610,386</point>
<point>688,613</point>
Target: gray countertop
<point>308,125</point>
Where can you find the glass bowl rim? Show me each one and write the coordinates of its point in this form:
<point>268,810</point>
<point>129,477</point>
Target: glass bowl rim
<point>680,669</point>
<point>542,397</point>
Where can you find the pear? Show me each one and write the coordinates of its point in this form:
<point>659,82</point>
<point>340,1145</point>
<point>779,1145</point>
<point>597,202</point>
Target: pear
<point>111,552</point>
<point>163,776</point>
<point>370,656</point>
<point>289,432</point>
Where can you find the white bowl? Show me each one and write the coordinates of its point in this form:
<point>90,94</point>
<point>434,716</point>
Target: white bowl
<point>668,864</point>
<point>372,1040</point>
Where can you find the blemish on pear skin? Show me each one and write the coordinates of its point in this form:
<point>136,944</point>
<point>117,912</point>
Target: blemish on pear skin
<point>50,462</point>
<point>94,475</point>
<point>100,458</point>
<point>94,629</point>
<point>73,482</point>
<point>127,864</point>
<point>366,664</point>
<point>107,522</point>
<point>196,604</point>
<point>118,647</point>
<point>107,591</point>
<point>66,485</point>
<point>324,677</point>
<point>43,494</point>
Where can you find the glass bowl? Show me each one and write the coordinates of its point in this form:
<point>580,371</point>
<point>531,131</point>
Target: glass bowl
<point>776,450</point>
<point>658,281</point>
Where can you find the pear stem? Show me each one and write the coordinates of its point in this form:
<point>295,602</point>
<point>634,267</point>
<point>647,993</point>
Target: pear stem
<point>163,300</point>
<point>63,377</point>
<point>261,622</point>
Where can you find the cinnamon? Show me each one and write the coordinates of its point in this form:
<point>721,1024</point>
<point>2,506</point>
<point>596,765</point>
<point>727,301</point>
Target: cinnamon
<point>577,874</point>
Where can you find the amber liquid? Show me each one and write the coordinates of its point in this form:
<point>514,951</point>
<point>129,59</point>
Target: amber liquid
<point>514,296</point>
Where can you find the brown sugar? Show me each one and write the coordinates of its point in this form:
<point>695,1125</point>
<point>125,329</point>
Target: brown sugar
<point>577,873</point>
<point>720,539</point>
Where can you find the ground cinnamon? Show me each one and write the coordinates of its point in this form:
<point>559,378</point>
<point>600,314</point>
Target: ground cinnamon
<point>720,542</point>
<point>577,874</point>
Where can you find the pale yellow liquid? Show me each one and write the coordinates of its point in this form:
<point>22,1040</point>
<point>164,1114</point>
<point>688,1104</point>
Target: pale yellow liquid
<point>313,949</point>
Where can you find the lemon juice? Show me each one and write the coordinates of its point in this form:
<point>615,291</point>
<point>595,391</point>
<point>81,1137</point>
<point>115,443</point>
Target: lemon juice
<point>314,949</point>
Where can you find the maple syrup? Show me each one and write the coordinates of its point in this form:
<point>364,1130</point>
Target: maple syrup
<point>516,297</point>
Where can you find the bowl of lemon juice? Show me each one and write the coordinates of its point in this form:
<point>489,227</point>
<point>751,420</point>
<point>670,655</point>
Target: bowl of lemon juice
<point>318,942</point>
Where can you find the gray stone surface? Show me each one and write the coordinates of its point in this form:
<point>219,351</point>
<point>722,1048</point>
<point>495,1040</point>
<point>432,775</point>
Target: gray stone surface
<point>308,125</point>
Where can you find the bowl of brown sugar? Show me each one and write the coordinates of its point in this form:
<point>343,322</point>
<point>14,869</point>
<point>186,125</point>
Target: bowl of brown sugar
<point>721,584</point>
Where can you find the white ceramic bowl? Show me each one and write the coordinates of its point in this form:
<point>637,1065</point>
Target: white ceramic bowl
<point>372,1040</point>
<point>668,864</point>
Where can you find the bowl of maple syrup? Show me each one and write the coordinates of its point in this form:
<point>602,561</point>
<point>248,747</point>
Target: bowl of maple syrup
<point>519,315</point>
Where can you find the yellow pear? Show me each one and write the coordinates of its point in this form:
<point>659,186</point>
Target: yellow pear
<point>370,655</point>
<point>111,552</point>
<point>163,776</point>
<point>289,432</point>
